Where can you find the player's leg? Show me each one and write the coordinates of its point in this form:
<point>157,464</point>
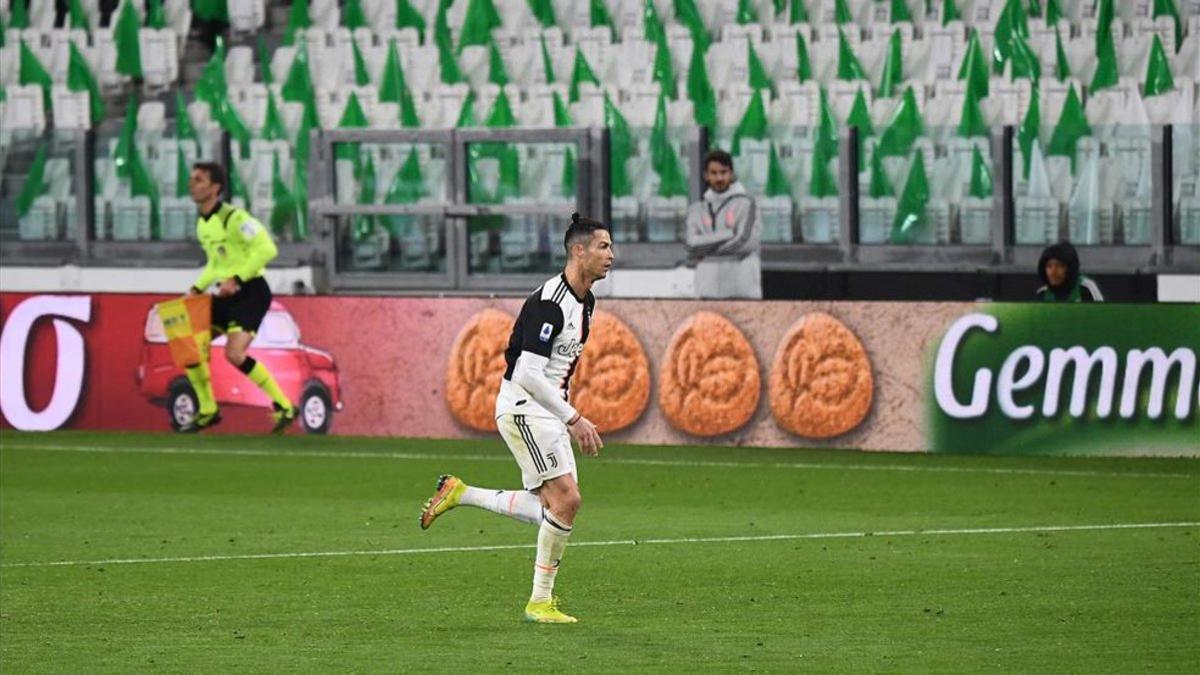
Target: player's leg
<point>561,500</point>
<point>521,505</point>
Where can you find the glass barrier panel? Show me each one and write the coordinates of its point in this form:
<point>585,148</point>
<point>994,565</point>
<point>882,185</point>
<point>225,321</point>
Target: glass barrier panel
<point>141,191</point>
<point>1091,186</point>
<point>516,244</point>
<point>792,172</point>
<point>651,175</point>
<point>37,186</point>
<point>1186,164</point>
<point>391,243</point>
<point>521,173</point>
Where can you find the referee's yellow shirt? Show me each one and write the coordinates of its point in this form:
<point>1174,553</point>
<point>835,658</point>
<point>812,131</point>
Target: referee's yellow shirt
<point>236,244</point>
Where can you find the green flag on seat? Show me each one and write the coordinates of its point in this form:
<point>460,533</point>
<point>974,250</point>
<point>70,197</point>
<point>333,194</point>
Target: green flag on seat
<point>273,128</point>
<point>155,16</point>
<point>466,114</point>
<point>910,218</point>
<point>480,19</point>
<point>298,19</point>
<point>547,62</point>
<point>759,79</point>
<point>848,67</point>
<point>826,130</point>
<point>841,12</point>
<point>778,184</point>
<point>1072,126</point>
<point>880,185</point>
<point>394,88</point>
<point>900,12</point>
<point>893,67</point>
<point>143,184</point>
<point>497,74</point>
<point>19,16</point>
<point>77,16</point>
<point>1107,74</point>
<point>700,92</point>
<point>599,16</point>
<point>903,128</point>
<point>753,124</point>
<point>126,139</point>
<point>182,174</point>
<point>971,124</point>
<point>125,37</point>
<point>581,72</point>
<point>664,69</point>
<point>562,114</point>
<point>408,187</point>
<point>687,14</point>
<point>803,62</point>
<point>364,226</point>
<point>621,148</point>
<point>1053,12</point>
<point>950,12</point>
<point>664,161</point>
<point>407,16</point>
<point>283,207</point>
<point>652,26</point>
<point>183,124</point>
<point>361,77</point>
<point>1062,67</point>
<point>353,15</point>
<point>33,72</point>
<point>35,182</point>
<point>981,176</point>
<point>297,86</point>
<point>822,182</point>
<point>501,115</point>
<point>447,62</point>
<point>80,78</point>
<point>353,116</point>
<point>543,11</point>
<point>1171,9</point>
<point>860,119</point>
<point>746,13</point>
<point>797,12</point>
<point>1158,73</point>
<point>974,68</point>
<point>1028,132</point>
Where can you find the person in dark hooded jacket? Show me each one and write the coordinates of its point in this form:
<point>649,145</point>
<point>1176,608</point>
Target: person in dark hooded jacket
<point>1059,270</point>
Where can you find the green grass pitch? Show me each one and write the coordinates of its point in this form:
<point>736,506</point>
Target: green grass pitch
<point>263,554</point>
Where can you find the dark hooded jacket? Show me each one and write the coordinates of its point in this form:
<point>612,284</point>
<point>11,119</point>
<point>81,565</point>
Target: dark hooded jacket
<point>1076,287</point>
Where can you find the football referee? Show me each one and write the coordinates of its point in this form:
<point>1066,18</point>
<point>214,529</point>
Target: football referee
<point>238,248</point>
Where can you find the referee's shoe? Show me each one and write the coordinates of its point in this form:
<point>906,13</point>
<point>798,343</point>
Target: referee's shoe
<point>201,422</point>
<point>283,418</point>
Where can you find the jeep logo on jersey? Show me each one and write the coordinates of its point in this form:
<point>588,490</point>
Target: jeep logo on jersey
<point>570,349</point>
<point>69,368</point>
<point>1059,379</point>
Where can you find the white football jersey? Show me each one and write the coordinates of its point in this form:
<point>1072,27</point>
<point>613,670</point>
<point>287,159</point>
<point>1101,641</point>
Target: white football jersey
<point>553,323</point>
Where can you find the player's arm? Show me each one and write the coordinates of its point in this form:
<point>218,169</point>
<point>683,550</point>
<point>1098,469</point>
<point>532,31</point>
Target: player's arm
<point>542,322</point>
<point>259,246</point>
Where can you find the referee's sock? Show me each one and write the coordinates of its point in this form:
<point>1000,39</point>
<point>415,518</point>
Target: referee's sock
<point>259,375</point>
<point>520,505</point>
<point>201,378</point>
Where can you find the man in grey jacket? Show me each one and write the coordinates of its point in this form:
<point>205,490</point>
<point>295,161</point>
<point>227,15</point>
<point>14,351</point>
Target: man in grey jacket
<point>723,235</point>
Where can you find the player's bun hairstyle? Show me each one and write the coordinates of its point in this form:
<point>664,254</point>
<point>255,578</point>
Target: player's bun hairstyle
<point>215,173</point>
<point>580,231</point>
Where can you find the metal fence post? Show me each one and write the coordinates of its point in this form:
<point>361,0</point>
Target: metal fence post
<point>1162,202</point>
<point>848,193</point>
<point>1003,211</point>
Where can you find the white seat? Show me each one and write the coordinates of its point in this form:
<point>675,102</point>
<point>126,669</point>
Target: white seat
<point>108,76</point>
<point>239,66</point>
<point>71,108</point>
<point>160,60</point>
<point>41,222</point>
<point>24,108</point>
<point>325,14</point>
<point>130,218</point>
<point>247,16</point>
<point>179,19</point>
<point>61,52</point>
<point>571,14</point>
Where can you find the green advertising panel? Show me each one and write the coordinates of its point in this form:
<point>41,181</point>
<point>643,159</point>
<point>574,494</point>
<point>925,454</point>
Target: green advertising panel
<point>1036,379</point>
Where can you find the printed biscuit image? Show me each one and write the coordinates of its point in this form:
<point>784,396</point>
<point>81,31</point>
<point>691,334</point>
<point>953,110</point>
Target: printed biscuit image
<point>708,381</point>
<point>475,367</point>
<point>612,384</point>
<point>820,384</point>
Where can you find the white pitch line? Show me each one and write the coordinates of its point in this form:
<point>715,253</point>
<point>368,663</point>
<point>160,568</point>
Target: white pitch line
<point>612,542</point>
<point>247,452</point>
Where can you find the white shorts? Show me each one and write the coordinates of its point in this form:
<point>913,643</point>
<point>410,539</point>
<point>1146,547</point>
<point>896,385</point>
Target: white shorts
<point>541,446</point>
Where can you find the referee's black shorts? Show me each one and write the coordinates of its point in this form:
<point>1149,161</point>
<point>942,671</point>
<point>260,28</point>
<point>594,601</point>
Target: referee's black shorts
<point>244,310</point>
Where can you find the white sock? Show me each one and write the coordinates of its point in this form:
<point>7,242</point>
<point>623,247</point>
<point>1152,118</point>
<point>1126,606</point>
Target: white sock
<point>552,540</point>
<point>520,505</point>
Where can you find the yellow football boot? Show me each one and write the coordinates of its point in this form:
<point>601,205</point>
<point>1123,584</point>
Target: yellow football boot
<point>546,611</point>
<point>450,490</point>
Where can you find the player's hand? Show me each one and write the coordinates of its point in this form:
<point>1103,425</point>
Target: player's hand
<point>228,287</point>
<point>585,434</point>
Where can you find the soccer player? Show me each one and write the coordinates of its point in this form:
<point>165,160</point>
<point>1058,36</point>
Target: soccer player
<point>238,249</point>
<point>536,418</point>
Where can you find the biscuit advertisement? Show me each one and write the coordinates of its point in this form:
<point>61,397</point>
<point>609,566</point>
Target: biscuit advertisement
<point>886,376</point>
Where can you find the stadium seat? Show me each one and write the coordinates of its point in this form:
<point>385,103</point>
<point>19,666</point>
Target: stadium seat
<point>130,218</point>
<point>776,219</point>
<point>160,60</point>
<point>60,52</point>
<point>71,109</point>
<point>23,110</point>
<point>665,218</point>
<point>247,16</point>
